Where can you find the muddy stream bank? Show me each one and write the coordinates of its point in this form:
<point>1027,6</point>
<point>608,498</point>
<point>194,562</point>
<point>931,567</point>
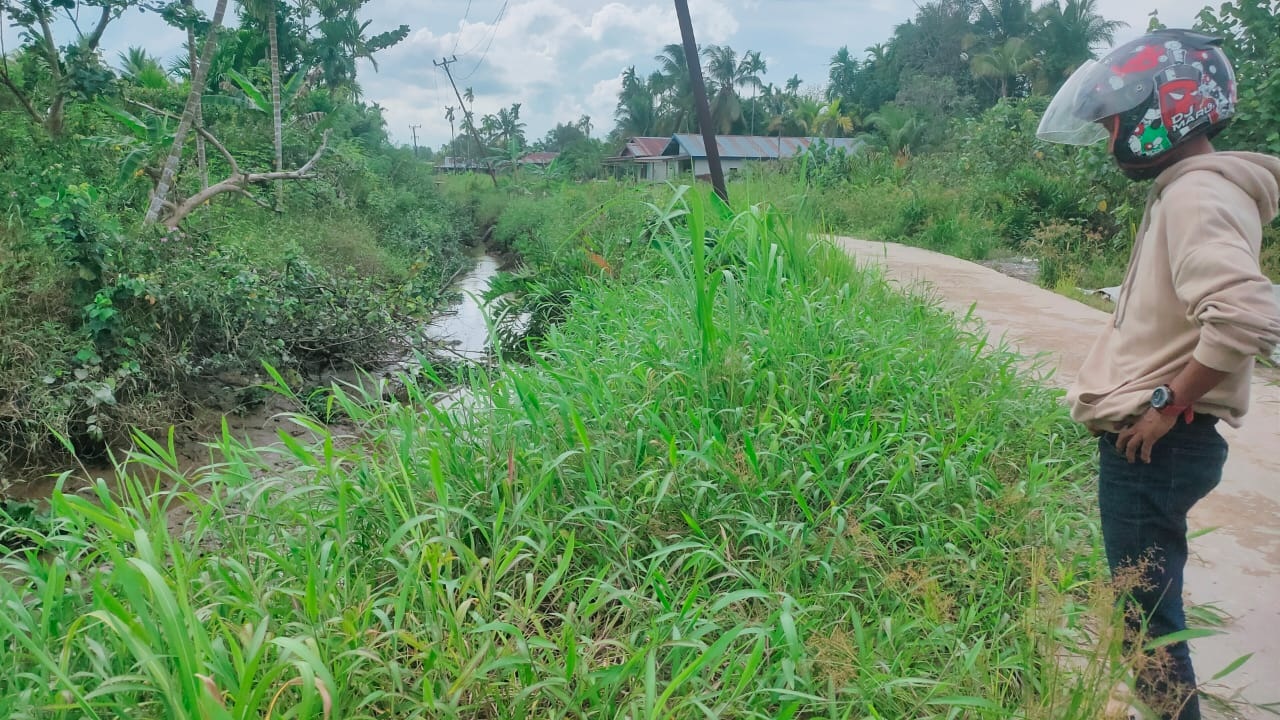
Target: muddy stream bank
<point>460,333</point>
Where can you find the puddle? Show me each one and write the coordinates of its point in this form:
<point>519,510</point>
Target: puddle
<point>1024,269</point>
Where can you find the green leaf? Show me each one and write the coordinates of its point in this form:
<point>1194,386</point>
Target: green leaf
<point>293,88</point>
<point>134,161</point>
<point>967,701</point>
<point>1234,666</point>
<point>129,120</point>
<point>44,201</point>
<point>1180,636</point>
<point>226,101</point>
<point>251,91</point>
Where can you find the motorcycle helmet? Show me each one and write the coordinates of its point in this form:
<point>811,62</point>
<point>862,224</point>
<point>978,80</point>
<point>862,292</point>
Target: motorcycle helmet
<point>1147,97</point>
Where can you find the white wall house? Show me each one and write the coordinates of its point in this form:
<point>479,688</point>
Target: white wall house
<point>655,159</point>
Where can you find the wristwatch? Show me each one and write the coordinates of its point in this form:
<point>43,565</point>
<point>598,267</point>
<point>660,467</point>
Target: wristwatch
<point>1163,401</point>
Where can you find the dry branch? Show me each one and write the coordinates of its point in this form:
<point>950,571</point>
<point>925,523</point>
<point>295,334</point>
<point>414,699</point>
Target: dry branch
<point>238,182</point>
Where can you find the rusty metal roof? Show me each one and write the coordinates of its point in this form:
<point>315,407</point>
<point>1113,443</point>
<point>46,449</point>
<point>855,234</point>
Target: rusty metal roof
<point>539,158</point>
<point>756,147</point>
<point>638,147</point>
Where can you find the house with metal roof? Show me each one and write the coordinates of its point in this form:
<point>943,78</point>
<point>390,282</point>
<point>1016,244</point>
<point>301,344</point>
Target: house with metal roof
<point>689,152</point>
<point>659,159</point>
<point>641,159</point>
<point>541,159</point>
<point>460,165</point>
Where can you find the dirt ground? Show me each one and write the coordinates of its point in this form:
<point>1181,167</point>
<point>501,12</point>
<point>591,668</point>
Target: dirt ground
<point>1235,567</point>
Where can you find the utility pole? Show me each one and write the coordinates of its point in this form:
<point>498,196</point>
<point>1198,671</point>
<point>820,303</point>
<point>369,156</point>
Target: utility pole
<point>700,99</point>
<point>475,135</point>
<point>414,129</point>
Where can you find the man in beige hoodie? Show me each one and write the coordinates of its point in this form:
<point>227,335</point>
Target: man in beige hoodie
<point>1193,313</point>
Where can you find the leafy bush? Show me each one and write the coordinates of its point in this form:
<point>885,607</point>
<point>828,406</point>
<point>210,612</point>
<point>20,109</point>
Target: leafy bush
<point>126,327</point>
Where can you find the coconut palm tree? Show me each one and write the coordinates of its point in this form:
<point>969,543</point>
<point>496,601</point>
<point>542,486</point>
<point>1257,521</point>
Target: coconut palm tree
<point>144,70</point>
<point>793,85</point>
<point>670,83</point>
<point>842,71</point>
<point>342,40</point>
<point>1010,60</point>
<point>637,111</point>
<point>489,128</point>
<point>508,127</point>
<point>1069,33</point>
<point>831,120</point>
<point>804,115</point>
<point>202,160</point>
<point>999,21</point>
<point>727,73</point>
<point>897,130</point>
<point>756,67</point>
<point>267,11</point>
<point>448,115</point>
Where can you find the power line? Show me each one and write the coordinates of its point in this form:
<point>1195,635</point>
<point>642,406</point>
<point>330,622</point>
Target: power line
<point>458,39</point>
<point>496,23</point>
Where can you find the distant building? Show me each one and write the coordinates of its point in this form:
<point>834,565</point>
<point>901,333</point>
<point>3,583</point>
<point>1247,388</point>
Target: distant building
<point>659,159</point>
<point>689,152</point>
<point>460,165</point>
<point>641,159</point>
<point>540,159</point>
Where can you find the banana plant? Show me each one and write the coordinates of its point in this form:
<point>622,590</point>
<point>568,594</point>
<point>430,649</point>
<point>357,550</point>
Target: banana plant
<point>253,98</point>
<point>145,141</point>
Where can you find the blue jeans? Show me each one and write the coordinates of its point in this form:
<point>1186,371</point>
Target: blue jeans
<point>1144,528</point>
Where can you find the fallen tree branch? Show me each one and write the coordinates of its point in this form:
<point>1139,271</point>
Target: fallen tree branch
<point>208,136</point>
<point>20,96</point>
<point>237,182</point>
<point>258,201</point>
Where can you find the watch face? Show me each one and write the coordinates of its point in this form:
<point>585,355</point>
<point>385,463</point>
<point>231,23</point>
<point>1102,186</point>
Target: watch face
<point>1160,398</point>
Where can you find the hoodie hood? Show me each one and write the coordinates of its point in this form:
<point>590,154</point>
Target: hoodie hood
<point>1256,174</point>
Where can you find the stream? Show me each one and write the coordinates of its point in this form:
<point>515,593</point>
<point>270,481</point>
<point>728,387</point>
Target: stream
<point>461,330</point>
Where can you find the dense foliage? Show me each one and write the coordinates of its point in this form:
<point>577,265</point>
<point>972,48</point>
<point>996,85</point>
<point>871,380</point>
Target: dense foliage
<point>741,480</point>
<point>109,322</point>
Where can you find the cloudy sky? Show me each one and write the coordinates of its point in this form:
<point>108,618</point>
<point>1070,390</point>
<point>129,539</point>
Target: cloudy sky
<point>563,58</point>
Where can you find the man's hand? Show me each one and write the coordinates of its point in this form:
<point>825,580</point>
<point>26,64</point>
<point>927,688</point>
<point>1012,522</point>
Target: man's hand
<point>1139,439</point>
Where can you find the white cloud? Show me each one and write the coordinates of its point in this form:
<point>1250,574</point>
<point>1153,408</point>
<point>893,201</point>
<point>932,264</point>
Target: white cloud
<point>553,56</point>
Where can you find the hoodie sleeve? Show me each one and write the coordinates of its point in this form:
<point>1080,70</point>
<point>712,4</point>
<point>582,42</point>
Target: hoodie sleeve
<point>1214,233</point>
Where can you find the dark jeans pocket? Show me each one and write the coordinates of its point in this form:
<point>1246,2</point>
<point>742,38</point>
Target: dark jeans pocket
<point>1195,470</point>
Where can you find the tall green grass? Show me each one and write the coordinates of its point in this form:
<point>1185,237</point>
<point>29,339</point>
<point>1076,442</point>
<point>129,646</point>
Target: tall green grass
<point>755,483</point>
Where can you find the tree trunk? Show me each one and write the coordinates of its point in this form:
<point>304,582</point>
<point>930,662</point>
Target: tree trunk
<point>53,120</point>
<point>202,160</point>
<point>198,77</point>
<point>274,50</point>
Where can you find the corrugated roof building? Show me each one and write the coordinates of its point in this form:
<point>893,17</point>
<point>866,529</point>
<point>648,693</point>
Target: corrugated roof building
<point>659,159</point>
<point>641,159</point>
<point>539,158</point>
<point>753,147</point>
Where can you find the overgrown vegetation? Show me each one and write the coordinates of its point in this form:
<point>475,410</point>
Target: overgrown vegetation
<point>741,479</point>
<point>947,108</point>
<point>110,321</point>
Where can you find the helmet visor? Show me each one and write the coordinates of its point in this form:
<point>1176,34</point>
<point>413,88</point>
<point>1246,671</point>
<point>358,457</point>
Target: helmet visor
<point>1072,117</point>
